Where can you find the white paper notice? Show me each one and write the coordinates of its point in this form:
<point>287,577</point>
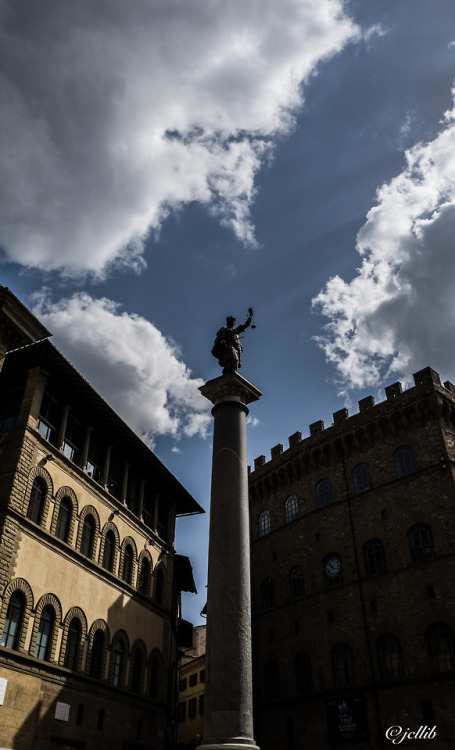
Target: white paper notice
<point>62,711</point>
<point>3,684</point>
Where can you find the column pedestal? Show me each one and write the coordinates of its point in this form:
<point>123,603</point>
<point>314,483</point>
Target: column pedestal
<point>228,722</point>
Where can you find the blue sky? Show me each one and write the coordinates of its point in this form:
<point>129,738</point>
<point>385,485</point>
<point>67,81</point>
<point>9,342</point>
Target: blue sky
<point>167,163</point>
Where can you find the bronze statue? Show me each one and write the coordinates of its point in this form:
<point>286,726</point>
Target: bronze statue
<point>227,348</point>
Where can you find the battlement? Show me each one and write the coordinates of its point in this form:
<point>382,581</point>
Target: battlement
<point>424,380</point>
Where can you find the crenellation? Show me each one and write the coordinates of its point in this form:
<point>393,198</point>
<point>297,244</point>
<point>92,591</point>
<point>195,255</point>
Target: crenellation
<point>276,451</point>
<point>340,416</point>
<point>366,403</point>
<point>368,410</point>
<point>316,428</point>
<point>393,391</point>
<point>427,376</point>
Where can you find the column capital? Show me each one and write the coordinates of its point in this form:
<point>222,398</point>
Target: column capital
<point>230,387</point>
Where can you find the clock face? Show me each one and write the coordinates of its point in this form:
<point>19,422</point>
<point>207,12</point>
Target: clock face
<point>332,566</point>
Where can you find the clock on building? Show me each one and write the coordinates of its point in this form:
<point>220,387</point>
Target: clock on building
<point>332,566</point>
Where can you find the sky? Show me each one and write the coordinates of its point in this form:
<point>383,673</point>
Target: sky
<point>166,164</point>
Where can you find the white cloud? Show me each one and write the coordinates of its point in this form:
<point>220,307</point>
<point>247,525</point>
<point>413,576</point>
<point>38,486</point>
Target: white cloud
<point>398,313</point>
<point>126,359</point>
<point>115,113</point>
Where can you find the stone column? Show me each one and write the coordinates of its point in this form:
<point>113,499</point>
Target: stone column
<point>228,722</point>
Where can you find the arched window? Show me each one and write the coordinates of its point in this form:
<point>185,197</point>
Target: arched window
<point>63,519</point>
<point>404,461</point>
<point>388,649</point>
<point>73,643</point>
<point>88,536</point>
<point>127,563</point>
<point>117,662</point>
<point>361,478</point>
<point>374,557</point>
<point>296,583</point>
<point>44,637</point>
<point>159,586</point>
<point>324,493</point>
<point>13,622</point>
<point>342,666</point>
<point>271,681</point>
<point>264,523</point>
<point>96,661</point>
<point>37,497</point>
<point>136,678</point>
<point>108,551</point>
<point>302,672</point>
<point>291,507</point>
<point>421,544</point>
<point>154,676</point>
<point>441,647</point>
<point>144,576</point>
<point>267,594</point>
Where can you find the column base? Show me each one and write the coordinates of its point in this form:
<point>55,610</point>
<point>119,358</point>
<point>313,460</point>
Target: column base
<point>231,743</point>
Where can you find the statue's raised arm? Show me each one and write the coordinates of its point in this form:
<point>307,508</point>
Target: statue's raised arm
<point>227,347</point>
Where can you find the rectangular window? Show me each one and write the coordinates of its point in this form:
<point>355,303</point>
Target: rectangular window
<point>182,711</point>
<point>50,415</point>
<point>114,482</point>
<point>202,675</point>
<point>193,679</point>
<point>10,404</point>
<point>147,510</point>
<point>163,519</point>
<point>95,460</point>
<point>73,439</point>
<point>192,708</point>
<point>132,494</point>
<point>80,714</point>
<point>182,685</point>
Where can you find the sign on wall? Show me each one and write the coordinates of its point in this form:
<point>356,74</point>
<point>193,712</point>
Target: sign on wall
<point>347,719</point>
<point>3,684</point>
<point>62,711</point>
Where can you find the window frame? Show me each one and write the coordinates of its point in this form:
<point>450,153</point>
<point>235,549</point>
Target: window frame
<point>324,493</point>
<point>264,523</point>
<point>36,504</point>
<point>404,461</point>
<point>291,508</point>
<point>45,633</point>
<point>361,478</point>
<point>419,549</point>
<point>11,637</point>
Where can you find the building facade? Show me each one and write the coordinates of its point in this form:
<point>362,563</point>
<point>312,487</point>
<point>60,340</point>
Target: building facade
<point>353,563</point>
<point>89,578</point>
<point>191,692</point>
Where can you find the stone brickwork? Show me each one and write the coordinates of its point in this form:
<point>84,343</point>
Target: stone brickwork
<point>354,495</point>
<point>66,600</point>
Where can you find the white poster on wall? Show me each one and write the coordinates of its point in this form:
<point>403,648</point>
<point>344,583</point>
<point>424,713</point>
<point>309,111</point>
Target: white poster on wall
<point>3,684</point>
<point>62,711</point>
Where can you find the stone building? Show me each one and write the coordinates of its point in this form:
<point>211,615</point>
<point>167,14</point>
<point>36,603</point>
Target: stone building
<point>353,563</point>
<point>191,692</point>
<point>89,579</point>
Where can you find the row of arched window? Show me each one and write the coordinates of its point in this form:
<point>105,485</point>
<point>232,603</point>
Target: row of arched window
<point>90,651</point>
<point>440,643</point>
<point>404,462</point>
<point>118,558</point>
<point>421,547</point>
